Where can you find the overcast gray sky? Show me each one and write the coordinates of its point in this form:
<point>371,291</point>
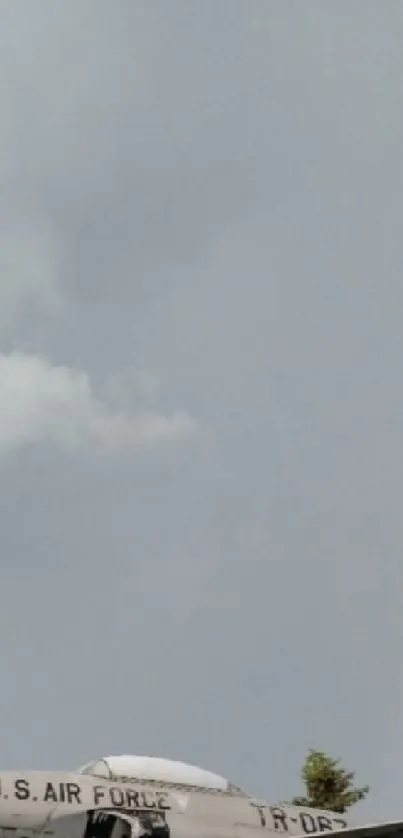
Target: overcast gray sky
<point>201,302</point>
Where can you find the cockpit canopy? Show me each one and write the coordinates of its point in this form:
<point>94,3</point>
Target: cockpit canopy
<point>127,767</point>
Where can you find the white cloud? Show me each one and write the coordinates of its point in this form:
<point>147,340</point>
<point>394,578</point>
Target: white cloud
<point>39,402</point>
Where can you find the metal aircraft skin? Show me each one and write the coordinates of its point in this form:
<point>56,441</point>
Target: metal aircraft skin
<point>143,797</point>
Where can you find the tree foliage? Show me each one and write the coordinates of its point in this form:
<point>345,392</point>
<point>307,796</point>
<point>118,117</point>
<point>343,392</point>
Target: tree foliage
<point>328,785</point>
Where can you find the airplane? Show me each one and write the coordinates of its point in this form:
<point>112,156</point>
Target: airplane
<point>149,797</point>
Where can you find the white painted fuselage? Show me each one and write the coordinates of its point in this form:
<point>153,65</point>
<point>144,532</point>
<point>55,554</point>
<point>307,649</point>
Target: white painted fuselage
<point>103,802</point>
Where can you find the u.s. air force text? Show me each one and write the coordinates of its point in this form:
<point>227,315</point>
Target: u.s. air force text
<point>119,797</point>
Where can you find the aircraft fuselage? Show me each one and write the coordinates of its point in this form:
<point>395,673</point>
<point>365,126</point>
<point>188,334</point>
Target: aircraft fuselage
<point>72,805</point>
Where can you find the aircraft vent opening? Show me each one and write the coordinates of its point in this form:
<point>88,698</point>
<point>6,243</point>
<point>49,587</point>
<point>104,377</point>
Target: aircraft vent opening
<point>103,824</point>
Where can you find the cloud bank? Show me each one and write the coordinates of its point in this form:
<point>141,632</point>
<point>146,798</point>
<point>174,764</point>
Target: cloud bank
<point>41,402</point>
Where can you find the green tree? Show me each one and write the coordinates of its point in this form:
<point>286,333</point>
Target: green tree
<point>328,785</point>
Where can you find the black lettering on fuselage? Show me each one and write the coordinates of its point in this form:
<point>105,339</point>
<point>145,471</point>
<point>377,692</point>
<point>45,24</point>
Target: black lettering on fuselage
<point>99,793</point>
<point>163,801</point>
<point>308,822</point>
<point>279,819</point>
<point>73,793</point>
<point>146,802</point>
<point>22,791</point>
<point>117,796</point>
<point>50,795</point>
<point>127,798</point>
<point>132,799</point>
